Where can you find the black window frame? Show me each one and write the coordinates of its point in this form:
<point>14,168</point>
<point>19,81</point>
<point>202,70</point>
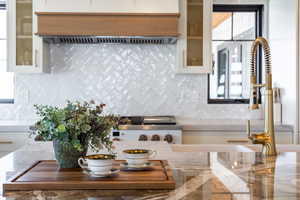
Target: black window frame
<point>5,101</point>
<point>2,5</point>
<point>259,10</point>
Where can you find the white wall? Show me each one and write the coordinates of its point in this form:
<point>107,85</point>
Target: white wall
<point>283,43</point>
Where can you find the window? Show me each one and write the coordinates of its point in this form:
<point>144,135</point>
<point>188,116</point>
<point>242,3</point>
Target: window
<point>6,78</point>
<point>235,27</point>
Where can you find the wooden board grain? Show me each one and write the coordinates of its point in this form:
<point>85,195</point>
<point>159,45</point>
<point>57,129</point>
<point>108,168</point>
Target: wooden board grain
<point>46,175</point>
<point>108,24</point>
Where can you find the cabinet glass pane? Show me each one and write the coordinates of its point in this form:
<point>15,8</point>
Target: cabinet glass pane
<point>195,33</point>
<point>244,27</point>
<point>24,32</point>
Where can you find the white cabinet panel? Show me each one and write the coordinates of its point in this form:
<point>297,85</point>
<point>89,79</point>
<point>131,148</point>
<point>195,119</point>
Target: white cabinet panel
<point>113,6</point>
<point>63,5</point>
<point>157,6</point>
<point>120,6</point>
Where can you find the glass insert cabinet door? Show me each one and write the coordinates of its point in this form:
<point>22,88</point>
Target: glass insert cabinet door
<point>27,53</point>
<point>24,36</point>
<point>194,44</point>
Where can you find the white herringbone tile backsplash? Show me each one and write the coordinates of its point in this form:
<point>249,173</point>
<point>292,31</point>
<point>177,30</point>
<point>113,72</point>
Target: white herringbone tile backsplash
<point>130,79</point>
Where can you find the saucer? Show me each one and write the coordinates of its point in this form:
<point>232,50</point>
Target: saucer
<point>112,172</point>
<point>144,167</point>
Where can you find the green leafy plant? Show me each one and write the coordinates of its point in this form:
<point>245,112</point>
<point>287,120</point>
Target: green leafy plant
<point>77,123</point>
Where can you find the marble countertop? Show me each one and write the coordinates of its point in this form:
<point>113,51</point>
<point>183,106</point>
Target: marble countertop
<point>198,174</point>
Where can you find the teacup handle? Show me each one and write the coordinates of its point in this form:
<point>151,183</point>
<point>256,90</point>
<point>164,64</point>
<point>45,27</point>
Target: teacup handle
<point>152,154</point>
<point>82,163</point>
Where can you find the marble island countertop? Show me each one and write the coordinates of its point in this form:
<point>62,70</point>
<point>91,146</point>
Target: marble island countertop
<point>199,174</point>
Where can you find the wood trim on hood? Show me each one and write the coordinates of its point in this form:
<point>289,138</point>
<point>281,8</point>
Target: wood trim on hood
<point>107,24</point>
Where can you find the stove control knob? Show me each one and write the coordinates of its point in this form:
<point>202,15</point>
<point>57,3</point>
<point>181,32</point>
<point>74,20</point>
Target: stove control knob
<point>143,138</point>
<point>116,139</point>
<point>168,138</point>
<point>155,138</point>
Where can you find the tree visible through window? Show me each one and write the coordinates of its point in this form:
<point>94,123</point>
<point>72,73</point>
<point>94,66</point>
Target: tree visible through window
<point>235,27</point>
<point>6,78</point>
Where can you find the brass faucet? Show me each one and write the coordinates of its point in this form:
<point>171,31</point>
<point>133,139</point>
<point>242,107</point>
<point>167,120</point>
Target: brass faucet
<point>267,138</point>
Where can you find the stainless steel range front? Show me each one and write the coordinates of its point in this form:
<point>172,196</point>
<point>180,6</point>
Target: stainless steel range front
<point>148,128</point>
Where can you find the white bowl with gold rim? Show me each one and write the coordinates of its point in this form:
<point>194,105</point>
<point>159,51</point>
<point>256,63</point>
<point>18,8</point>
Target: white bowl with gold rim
<point>98,163</point>
<point>138,156</point>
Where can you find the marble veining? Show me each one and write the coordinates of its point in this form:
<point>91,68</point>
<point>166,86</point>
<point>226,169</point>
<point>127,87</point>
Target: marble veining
<point>198,175</point>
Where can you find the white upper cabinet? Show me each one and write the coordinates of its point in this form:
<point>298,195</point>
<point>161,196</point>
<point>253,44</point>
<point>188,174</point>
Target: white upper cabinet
<point>26,52</point>
<point>108,6</point>
<point>63,5</point>
<point>157,6</point>
<point>195,42</point>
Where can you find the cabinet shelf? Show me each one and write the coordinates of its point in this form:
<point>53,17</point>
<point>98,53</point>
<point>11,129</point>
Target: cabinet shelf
<point>24,2</point>
<point>195,38</point>
<point>195,4</point>
<point>24,36</point>
<point>27,17</point>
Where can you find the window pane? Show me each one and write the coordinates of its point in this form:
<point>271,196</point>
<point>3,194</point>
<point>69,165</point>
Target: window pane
<point>244,26</point>
<point>6,78</point>
<point>222,26</point>
<point>3,24</point>
<point>230,79</point>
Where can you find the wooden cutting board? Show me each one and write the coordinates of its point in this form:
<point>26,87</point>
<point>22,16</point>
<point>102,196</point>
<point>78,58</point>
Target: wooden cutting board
<point>46,175</point>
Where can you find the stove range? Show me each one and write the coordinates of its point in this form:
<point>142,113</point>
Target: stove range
<point>148,128</point>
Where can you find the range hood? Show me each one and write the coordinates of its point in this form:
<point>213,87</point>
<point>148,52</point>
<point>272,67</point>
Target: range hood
<point>133,28</point>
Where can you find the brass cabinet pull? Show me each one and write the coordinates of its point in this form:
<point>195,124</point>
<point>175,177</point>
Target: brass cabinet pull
<point>237,141</point>
<point>6,142</point>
